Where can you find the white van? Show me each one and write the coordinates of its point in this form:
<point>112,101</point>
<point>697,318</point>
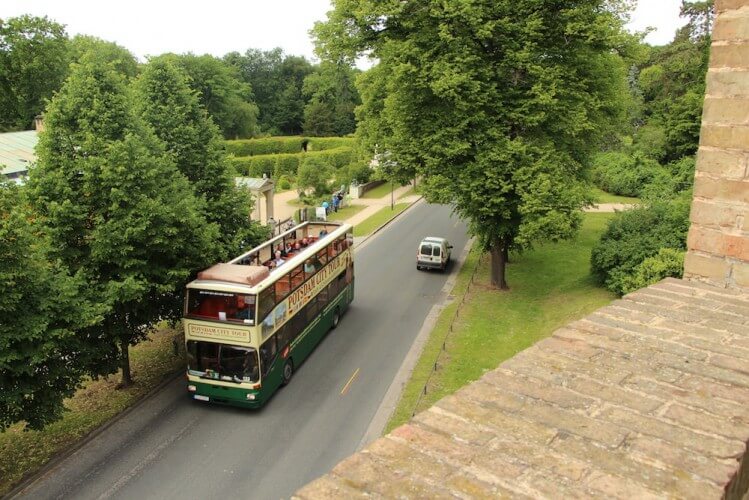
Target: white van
<point>433,253</point>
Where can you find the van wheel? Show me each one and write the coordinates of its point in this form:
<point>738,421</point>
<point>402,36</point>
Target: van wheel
<point>288,371</point>
<point>418,267</point>
<point>336,318</point>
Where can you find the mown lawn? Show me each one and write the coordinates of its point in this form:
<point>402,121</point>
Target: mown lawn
<point>604,197</point>
<point>379,218</point>
<point>550,286</point>
<point>23,453</point>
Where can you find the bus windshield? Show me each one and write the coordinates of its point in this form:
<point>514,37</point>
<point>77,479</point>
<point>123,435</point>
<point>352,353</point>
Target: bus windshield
<point>222,361</point>
<point>222,306</point>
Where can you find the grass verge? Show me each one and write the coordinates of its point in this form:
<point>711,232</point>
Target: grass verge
<point>345,212</point>
<point>604,197</point>
<point>25,452</point>
<point>378,219</point>
<point>379,191</point>
<point>550,286</point>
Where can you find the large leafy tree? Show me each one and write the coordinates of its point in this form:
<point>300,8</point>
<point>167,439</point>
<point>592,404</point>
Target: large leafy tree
<point>331,99</point>
<point>43,357</point>
<point>497,103</point>
<point>276,80</point>
<point>33,64</point>
<point>121,214</point>
<point>228,100</point>
<point>122,59</point>
<point>164,99</point>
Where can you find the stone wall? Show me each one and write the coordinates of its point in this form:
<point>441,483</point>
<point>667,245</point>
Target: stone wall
<point>718,243</point>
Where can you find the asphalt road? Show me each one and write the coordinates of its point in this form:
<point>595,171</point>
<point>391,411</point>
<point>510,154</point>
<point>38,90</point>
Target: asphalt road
<point>173,447</point>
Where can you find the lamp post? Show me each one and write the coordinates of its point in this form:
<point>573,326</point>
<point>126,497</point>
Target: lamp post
<point>391,194</point>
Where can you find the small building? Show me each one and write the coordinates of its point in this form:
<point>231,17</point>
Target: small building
<point>17,154</point>
<point>259,187</point>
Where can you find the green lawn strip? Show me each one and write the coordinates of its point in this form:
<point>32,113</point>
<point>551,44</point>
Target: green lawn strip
<point>550,287</point>
<point>604,197</point>
<point>379,191</point>
<point>23,453</point>
<point>378,218</point>
<point>345,212</point>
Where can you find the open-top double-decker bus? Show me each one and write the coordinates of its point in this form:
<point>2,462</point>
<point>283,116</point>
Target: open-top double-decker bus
<point>251,321</point>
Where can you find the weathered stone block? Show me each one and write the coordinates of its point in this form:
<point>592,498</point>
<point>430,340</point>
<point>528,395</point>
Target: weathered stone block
<point>709,266</point>
<point>718,242</point>
<point>722,163</point>
<point>725,136</point>
<point>731,25</point>
<point>741,274</point>
<point>730,55</point>
<point>716,215</point>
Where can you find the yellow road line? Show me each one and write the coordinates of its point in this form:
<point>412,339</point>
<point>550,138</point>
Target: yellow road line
<point>348,384</point>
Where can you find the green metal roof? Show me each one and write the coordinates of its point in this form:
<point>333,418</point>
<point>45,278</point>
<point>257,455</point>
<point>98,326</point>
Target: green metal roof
<point>17,151</point>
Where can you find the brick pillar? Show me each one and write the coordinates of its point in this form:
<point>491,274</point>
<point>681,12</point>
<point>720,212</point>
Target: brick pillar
<point>718,242</point>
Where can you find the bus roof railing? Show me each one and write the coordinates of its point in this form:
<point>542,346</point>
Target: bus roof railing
<point>271,242</point>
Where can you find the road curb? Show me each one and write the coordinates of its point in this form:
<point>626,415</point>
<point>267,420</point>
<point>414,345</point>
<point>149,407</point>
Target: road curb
<point>392,396</point>
<point>94,433</point>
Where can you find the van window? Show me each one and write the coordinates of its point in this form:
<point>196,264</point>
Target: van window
<point>425,249</point>
<point>436,250</point>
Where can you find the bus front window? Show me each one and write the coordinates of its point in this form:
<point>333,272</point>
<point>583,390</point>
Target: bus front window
<point>222,361</point>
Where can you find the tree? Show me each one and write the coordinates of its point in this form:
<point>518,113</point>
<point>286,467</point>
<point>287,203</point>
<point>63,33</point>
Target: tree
<point>33,65</point>
<point>43,358</point>
<point>314,174</point>
<point>122,217</point>
<point>165,101</point>
<point>227,99</point>
<point>276,81</point>
<point>498,104</point>
<point>122,59</point>
<point>331,99</point>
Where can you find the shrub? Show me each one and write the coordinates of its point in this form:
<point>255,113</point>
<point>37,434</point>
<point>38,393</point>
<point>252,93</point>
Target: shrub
<point>284,183</point>
<point>314,174</point>
<point>634,235</point>
<point>623,174</point>
<point>668,262</point>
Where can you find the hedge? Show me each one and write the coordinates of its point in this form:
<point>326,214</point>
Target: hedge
<point>281,145</point>
<point>277,165</point>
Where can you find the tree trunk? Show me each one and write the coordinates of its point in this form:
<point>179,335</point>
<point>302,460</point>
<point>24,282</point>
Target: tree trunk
<point>506,254</point>
<point>127,379</point>
<point>498,253</point>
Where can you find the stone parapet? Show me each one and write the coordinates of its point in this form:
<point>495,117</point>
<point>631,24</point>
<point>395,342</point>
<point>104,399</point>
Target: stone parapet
<point>718,243</point>
<point>645,398</point>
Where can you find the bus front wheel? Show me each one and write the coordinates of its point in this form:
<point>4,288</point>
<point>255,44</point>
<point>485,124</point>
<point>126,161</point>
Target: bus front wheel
<point>288,371</point>
<point>336,318</point>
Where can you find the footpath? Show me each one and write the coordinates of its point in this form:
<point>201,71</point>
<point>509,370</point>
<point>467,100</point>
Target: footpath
<point>283,207</point>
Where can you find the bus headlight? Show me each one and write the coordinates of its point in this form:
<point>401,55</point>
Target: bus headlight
<point>251,397</point>
<point>191,388</point>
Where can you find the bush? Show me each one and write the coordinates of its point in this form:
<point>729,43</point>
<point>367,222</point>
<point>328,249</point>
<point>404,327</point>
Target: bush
<point>314,174</point>
<point>634,235</point>
<point>667,263</point>
<point>284,183</point>
<point>623,174</point>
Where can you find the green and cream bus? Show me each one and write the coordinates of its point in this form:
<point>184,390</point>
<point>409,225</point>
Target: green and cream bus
<point>251,321</point>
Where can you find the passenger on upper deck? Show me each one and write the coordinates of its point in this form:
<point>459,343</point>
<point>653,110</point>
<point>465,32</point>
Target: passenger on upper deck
<point>278,260</point>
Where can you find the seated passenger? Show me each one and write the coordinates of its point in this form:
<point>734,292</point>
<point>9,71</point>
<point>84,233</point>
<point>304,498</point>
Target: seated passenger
<point>297,246</point>
<point>278,260</point>
<point>305,242</point>
<point>323,232</point>
<point>288,248</point>
<point>309,267</point>
<point>246,306</point>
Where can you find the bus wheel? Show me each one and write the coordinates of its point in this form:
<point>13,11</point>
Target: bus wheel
<point>288,371</point>
<point>336,318</point>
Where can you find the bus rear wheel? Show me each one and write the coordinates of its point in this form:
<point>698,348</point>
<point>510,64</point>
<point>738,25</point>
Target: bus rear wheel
<point>336,318</point>
<point>288,371</point>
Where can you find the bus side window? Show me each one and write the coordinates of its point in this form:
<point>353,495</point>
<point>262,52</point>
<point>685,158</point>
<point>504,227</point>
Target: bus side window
<point>297,276</point>
<point>283,286</point>
<point>311,309</point>
<point>268,353</point>
<point>322,257</point>
<point>267,301</point>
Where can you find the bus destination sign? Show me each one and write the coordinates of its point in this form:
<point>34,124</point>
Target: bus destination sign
<point>217,332</point>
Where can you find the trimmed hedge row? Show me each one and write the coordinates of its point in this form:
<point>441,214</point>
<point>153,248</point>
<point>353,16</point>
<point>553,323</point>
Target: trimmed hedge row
<point>281,145</point>
<point>287,164</point>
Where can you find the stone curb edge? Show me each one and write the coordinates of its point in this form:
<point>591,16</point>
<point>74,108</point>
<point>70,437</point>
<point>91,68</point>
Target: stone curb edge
<point>393,394</point>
